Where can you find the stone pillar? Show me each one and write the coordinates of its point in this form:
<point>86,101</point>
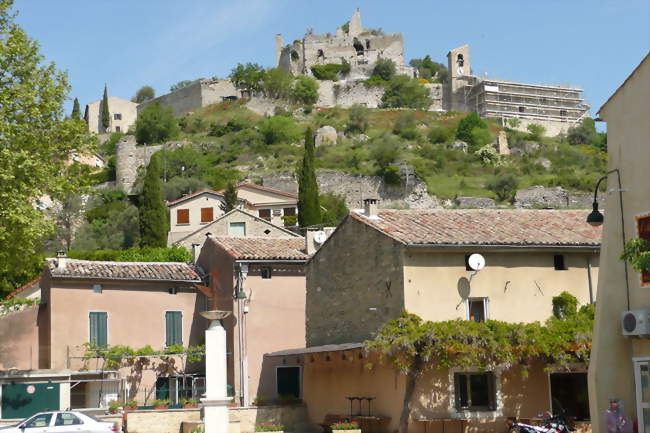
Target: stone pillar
<point>215,402</point>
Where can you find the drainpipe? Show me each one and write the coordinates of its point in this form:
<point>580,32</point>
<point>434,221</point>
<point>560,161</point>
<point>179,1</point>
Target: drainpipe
<point>591,290</point>
<point>241,328</point>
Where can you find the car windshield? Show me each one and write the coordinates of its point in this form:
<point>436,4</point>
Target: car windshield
<point>40,420</point>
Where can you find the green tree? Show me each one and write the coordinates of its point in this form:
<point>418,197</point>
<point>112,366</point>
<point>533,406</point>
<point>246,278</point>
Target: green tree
<point>156,124</point>
<point>277,83</point>
<point>249,77</point>
<point>309,212</point>
<point>384,69</point>
<point>76,111</point>
<point>467,125</point>
<point>358,119</point>
<point>385,150</point>
<point>144,93</point>
<point>105,113</point>
<point>585,134</point>
<point>405,92</point>
<point>35,142</point>
<point>279,129</point>
<point>405,126</point>
<point>536,131</point>
<point>305,90</point>
<point>504,186</point>
<point>335,208</point>
<point>229,198</point>
<point>153,213</point>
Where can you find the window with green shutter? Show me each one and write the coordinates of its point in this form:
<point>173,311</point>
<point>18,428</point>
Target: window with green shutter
<point>174,328</point>
<point>98,328</point>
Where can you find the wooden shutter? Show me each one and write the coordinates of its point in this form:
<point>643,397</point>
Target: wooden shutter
<point>174,328</point>
<point>265,214</point>
<point>98,328</point>
<point>643,230</point>
<point>183,216</point>
<point>492,390</point>
<point>289,211</point>
<point>206,214</point>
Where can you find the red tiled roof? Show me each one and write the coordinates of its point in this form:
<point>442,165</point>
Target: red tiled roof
<point>486,227</point>
<point>158,271</point>
<point>263,248</point>
<point>24,287</point>
<point>194,194</point>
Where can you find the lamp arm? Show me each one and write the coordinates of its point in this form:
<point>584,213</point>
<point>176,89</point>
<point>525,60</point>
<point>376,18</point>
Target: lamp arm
<point>602,179</point>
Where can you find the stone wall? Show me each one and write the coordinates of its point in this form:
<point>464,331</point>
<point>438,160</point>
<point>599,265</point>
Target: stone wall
<point>194,96</point>
<point>294,418</point>
<point>265,106</point>
<point>556,198</point>
<point>129,157</point>
<point>356,188</point>
<point>160,421</point>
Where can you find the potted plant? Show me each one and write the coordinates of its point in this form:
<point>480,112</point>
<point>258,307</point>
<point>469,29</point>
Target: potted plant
<point>131,404</point>
<point>269,427</point>
<point>233,402</point>
<point>288,399</point>
<point>114,406</point>
<point>190,403</point>
<point>345,427</point>
<point>198,429</point>
<point>161,404</point>
<point>260,400</point>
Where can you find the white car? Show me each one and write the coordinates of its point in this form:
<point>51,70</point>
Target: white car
<point>61,422</point>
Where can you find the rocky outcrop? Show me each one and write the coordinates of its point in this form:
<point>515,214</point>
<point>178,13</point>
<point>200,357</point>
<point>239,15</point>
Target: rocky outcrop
<point>326,135</point>
<point>541,197</point>
<point>474,203</point>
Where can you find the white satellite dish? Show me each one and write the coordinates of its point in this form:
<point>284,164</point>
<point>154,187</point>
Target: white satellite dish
<point>320,237</point>
<point>476,262</point>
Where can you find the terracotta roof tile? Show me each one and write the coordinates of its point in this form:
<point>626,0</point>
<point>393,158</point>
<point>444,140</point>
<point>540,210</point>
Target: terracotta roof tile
<point>159,271</point>
<point>263,248</point>
<point>486,227</point>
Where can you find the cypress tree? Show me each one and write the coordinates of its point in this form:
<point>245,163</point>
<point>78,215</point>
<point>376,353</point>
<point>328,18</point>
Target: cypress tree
<point>105,114</point>
<point>230,198</point>
<point>76,111</point>
<point>153,214</point>
<point>309,212</point>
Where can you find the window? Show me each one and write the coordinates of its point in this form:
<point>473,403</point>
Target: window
<point>237,230</point>
<point>563,113</point>
<point>183,216</point>
<point>477,309</point>
<point>172,290</point>
<point>67,419</point>
<point>266,273</point>
<point>117,116</point>
<point>117,129</point>
<point>522,109</point>
<point>475,391</point>
<point>558,262</point>
<point>98,328</point>
<point>265,214</point>
<point>289,211</point>
<point>207,214</point>
<point>97,288</point>
<point>569,393</point>
<point>42,420</point>
<point>173,328</point>
<point>288,381</point>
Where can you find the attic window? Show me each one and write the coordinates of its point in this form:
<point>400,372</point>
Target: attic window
<point>172,290</point>
<point>266,273</point>
<point>558,262</point>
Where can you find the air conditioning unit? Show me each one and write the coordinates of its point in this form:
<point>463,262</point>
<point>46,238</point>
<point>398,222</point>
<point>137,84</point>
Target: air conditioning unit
<point>636,323</point>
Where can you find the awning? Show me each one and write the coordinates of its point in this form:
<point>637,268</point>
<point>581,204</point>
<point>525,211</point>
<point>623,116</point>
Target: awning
<point>318,349</point>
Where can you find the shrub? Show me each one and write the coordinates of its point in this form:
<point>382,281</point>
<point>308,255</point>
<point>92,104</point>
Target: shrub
<point>267,426</point>
<point>405,126</point>
<point>327,72</point>
<point>305,90</point>
<point>441,134</point>
<point>279,129</point>
<point>358,119</point>
<point>143,94</point>
<point>335,208</point>
<point>536,132</point>
<point>385,150</point>
<point>172,254</point>
<point>384,69</point>
<point>233,125</point>
<point>155,124</point>
<point>392,175</point>
<point>465,127</point>
<point>405,92</point>
<point>276,83</point>
<point>565,305</point>
<point>342,425</point>
<point>480,137</point>
<point>504,186</point>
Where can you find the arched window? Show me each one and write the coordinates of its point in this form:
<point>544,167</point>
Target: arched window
<point>460,60</point>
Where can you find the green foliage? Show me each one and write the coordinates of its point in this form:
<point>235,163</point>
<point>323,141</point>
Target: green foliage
<point>536,132</point>
<point>153,213</point>
<point>155,124</point>
<point>480,137</point>
<point>249,76</point>
<point>109,147</point>
<point>233,125</point>
<point>329,71</point>
<point>277,83</point>
<point>385,150</point>
<point>116,357</point>
<point>335,208</point>
<point>405,126</point>
<point>279,129</point>
<point>305,90</point>
<point>345,67</point>
<point>431,71</point>
<point>174,253</point>
<point>468,125</point>
<point>637,254</point>
<point>76,111</point>
<point>585,134</point>
<point>385,69</point>
<point>182,84</point>
<point>342,425</point>
<point>35,143</point>
<point>267,426</point>
<point>230,199</point>
<point>358,119</point>
<point>391,175</point>
<point>144,93</point>
<point>405,92</point>
<point>309,212</point>
<point>8,305</point>
<point>441,134</point>
<point>105,114</point>
<point>565,305</point>
<point>504,186</point>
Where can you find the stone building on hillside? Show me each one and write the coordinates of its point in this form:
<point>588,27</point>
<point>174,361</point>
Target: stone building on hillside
<point>123,114</point>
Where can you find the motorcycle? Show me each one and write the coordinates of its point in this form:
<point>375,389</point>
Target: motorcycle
<point>551,424</point>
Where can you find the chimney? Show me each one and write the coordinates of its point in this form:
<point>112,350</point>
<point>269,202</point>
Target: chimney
<point>310,245</point>
<point>370,207</point>
<point>194,251</point>
<point>61,259</point>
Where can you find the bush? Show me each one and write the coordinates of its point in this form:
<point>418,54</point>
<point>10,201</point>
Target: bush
<point>465,127</point>
<point>175,253</point>
<point>504,186</point>
<point>405,92</point>
<point>385,150</point>
<point>155,124</point>
<point>358,119</point>
<point>233,125</point>
<point>335,208</point>
<point>405,126</point>
<point>305,90</point>
<point>110,146</point>
<point>585,133</point>
<point>392,175</point>
<point>565,305</point>
<point>279,129</point>
<point>480,137</point>
<point>384,69</point>
<point>536,132</point>
<point>441,134</point>
<point>143,94</point>
<point>327,72</point>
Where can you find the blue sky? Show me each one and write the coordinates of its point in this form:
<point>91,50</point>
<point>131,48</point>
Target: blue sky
<point>592,44</point>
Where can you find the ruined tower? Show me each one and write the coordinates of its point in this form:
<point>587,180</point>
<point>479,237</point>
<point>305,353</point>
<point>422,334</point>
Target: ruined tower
<point>355,27</point>
<point>278,48</point>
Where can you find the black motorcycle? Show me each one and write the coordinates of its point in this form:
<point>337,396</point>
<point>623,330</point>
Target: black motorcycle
<point>551,424</point>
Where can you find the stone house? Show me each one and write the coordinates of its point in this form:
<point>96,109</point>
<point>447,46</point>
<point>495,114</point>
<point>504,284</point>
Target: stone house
<point>194,211</point>
<point>262,281</point>
<point>620,363</point>
<point>42,347</point>
<point>379,263</point>
<point>123,114</point>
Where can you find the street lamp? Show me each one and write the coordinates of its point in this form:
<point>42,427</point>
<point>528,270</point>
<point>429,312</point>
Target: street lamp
<point>596,218</point>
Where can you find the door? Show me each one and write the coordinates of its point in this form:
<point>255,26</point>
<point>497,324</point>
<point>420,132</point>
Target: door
<point>288,381</point>
<point>642,384</point>
<point>21,400</point>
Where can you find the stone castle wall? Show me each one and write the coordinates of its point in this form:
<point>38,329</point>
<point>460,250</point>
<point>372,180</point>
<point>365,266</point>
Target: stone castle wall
<point>194,96</point>
<point>129,158</point>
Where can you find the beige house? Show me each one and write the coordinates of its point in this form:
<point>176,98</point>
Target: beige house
<point>123,114</point>
<point>262,281</point>
<point>379,263</point>
<point>193,212</point>
<point>105,303</point>
<point>620,365</point>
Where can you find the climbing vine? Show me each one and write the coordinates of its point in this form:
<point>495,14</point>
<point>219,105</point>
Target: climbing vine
<point>115,357</point>
<point>637,254</point>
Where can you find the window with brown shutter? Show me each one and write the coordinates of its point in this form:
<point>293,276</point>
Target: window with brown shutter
<point>183,216</point>
<point>643,230</point>
<point>206,214</point>
<point>289,211</point>
<point>265,214</point>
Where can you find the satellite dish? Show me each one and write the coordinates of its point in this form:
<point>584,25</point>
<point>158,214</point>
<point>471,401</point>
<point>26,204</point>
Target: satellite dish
<point>476,262</point>
<point>320,237</point>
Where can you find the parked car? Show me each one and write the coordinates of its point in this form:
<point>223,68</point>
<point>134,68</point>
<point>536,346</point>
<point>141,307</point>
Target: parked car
<point>61,422</point>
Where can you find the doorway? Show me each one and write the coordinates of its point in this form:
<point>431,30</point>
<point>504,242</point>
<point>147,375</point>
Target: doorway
<point>570,394</point>
<point>642,385</point>
<point>288,381</point>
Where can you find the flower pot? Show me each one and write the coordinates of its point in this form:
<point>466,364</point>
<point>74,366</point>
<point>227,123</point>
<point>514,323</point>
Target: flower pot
<point>190,406</point>
<point>162,406</point>
<point>130,407</point>
<point>112,410</point>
